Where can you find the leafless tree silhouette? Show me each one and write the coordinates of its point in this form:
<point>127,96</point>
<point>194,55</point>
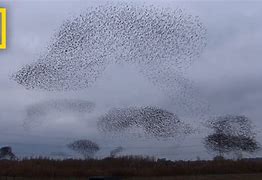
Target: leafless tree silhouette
<point>231,134</point>
<point>116,151</point>
<point>6,153</point>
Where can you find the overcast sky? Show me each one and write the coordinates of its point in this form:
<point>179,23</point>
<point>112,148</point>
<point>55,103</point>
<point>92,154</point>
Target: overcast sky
<point>227,76</point>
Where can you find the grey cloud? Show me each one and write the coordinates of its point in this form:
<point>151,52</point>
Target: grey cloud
<point>227,75</point>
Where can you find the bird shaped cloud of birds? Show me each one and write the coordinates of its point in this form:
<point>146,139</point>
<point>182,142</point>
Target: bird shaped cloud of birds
<point>37,113</point>
<point>153,121</point>
<point>159,41</point>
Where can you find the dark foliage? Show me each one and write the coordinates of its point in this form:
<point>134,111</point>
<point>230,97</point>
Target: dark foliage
<point>124,166</point>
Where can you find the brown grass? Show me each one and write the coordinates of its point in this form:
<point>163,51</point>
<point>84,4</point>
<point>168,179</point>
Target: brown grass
<point>205,177</point>
<point>192,177</point>
<point>130,166</point>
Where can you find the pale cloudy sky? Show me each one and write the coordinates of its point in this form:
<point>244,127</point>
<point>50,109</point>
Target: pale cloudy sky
<point>227,75</point>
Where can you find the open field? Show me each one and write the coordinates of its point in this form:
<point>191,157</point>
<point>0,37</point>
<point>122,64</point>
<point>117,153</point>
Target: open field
<point>131,167</point>
<point>206,177</point>
<point>196,177</point>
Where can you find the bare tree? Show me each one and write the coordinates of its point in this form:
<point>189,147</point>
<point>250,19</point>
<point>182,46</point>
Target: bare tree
<point>85,147</point>
<point>116,151</point>
<point>231,134</point>
<point>6,153</point>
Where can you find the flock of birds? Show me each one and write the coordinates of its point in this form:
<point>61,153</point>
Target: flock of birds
<point>161,43</point>
<point>37,112</point>
<point>154,122</point>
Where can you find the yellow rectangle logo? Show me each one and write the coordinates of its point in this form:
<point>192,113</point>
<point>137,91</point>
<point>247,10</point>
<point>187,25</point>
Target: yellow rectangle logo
<point>3,28</point>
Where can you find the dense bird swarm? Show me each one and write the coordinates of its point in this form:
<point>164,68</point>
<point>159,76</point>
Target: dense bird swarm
<point>232,124</point>
<point>85,147</point>
<point>161,43</point>
<point>158,41</point>
<point>231,134</point>
<point>153,121</point>
<point>39,111</point>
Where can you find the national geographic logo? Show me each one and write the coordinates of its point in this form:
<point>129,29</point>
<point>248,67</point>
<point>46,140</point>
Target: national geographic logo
<point>2,28</point>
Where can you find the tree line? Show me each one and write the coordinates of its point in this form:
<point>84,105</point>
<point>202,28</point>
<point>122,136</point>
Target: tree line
<point>230,135</point>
